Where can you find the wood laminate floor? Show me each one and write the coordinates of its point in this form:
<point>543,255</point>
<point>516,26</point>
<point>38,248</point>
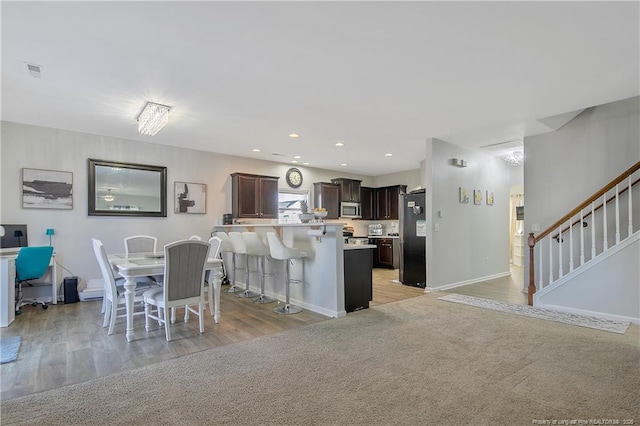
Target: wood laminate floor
<point>66,344</point>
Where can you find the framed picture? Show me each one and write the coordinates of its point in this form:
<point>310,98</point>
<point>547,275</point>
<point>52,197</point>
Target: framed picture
<point>464,196</point>
<point>190,197</point>
<point>489,198</point>
<point>477,197</point>
<point>47,189</point>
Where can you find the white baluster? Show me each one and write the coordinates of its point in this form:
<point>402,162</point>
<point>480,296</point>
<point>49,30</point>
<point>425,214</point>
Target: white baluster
<point>581,238</point>
<point>617,216</point>
<point>550,259</point>
<point>593,232</point>
<point>560,271</point>
<point>605,244</point>
<point>540,257</point>
<point>630,231</point>
<point>570,245</point>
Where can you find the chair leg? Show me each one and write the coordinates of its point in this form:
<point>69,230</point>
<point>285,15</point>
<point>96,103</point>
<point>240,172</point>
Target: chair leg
<point>107,312</point>
<point>167,326</point>
<point>112,318</point>
<point>104,301</point>
<point>210,293</point>
<point>200,317</point>
<point>147,311</point>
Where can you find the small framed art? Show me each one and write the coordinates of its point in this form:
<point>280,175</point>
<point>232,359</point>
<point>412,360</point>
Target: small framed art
<point>190,197</point>
<point>47,189</point>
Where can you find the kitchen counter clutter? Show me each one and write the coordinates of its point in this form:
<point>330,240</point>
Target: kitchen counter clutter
<point>323,287</point>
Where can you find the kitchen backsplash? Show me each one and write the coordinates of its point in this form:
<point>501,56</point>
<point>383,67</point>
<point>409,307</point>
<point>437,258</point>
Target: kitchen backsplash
<point>361,227</point>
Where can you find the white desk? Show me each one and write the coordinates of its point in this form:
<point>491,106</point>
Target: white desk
<point>8,282</point>
<point>140,265</point>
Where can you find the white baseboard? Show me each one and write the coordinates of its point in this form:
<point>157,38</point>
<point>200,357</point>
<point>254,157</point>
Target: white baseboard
<point>585,312</point>
<point>467,282</point>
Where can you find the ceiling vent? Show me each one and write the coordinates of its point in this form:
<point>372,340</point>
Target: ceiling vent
<point>34,70</point>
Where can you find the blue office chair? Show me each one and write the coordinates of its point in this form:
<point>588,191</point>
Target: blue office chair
<point>31,264</point>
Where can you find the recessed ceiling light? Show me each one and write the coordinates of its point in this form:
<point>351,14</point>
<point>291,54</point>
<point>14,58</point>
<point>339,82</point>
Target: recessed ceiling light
<point>255,150</point>
<point>296,156</point>
<point>339,144</point>
<point>344,164</point>
<point>294,135</point>
<point>294,161</point>
<point>306,163</point>
<point>388,155</point>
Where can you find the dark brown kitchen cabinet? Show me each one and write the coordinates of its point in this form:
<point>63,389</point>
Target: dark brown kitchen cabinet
<point>386,202</point>
<point>349,189</point>
<point>384,253</point>
<point>327,195</point>
<point>366,202</point>
<point>254,196</point>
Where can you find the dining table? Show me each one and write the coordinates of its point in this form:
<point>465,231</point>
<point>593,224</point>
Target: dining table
<point>134,265</point>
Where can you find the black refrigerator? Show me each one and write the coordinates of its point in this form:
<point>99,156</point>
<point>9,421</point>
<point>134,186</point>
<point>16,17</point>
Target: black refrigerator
<point>413,233</point>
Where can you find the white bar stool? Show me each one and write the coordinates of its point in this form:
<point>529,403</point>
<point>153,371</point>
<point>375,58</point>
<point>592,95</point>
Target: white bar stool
<point>227,250</point>
<point>280,251</point>
<point>240,248</point>
<point>259,250</point>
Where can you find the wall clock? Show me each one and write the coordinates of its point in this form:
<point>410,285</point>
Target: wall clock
<point>294,177</point>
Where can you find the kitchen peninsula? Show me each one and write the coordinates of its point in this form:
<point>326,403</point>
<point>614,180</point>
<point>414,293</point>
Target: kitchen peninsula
<point>323,268</point>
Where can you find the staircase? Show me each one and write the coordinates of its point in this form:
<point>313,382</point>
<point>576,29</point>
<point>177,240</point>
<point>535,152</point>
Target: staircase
<point>589,260</point>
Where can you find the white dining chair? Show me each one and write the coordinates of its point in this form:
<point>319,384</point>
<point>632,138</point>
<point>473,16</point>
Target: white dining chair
<point>114,301</point>
<point>140,244</point>
<point>184,272</point>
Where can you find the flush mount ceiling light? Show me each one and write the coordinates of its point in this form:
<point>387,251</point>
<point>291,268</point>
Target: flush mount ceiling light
<point>515,158</point>
<point>153,118</point>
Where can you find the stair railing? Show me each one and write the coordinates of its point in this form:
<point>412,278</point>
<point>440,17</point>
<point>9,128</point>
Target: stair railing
<point>598,228</point>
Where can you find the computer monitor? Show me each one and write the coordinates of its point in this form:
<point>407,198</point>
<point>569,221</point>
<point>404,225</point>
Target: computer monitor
<point>14,236</point>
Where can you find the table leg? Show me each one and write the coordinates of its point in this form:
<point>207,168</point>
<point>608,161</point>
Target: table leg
<point>129,287</point>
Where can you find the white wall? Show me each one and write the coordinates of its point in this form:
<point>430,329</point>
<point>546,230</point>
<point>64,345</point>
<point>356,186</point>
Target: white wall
<point>54,149</point>
<point>471,242</point>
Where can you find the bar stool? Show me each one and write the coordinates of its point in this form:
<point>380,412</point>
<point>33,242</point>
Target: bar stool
<point>226,249</point>
<point>240,248</point>
<point>260,251</point>
<point>280,251</point>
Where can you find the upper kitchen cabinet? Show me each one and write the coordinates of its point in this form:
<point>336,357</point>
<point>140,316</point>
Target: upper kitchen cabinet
<point>366,202</point>
<point>254,196</point>
<point>386,201</point>
<point>327,195</point>
<point>349,189</point>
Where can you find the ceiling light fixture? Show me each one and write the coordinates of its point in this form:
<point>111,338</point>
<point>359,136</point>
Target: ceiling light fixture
<point>344,164</point>
<point>294,161</point>
<point>339,144</point>
<point>153,118</point>
<point>515,158</point>
<point>255,150</point>
<point>388,155</point>
<point>294,135</point>
<point>297,157</point>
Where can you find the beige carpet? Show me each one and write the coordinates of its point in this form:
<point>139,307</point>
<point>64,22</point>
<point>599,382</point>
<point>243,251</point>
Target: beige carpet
<point>418,361</point>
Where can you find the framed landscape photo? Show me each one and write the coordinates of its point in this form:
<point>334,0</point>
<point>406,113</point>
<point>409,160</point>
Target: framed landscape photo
<point>47,189</point>
<point>190,197</point>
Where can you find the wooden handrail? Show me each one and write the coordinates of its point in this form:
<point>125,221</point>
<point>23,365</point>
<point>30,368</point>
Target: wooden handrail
<point>589,200</point>
<point>625,189</point>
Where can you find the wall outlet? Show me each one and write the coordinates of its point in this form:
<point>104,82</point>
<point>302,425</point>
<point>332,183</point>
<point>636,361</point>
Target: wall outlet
<point>436,227</point>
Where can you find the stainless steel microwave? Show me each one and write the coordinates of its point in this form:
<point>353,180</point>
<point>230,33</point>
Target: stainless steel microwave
<point>350,210</point>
